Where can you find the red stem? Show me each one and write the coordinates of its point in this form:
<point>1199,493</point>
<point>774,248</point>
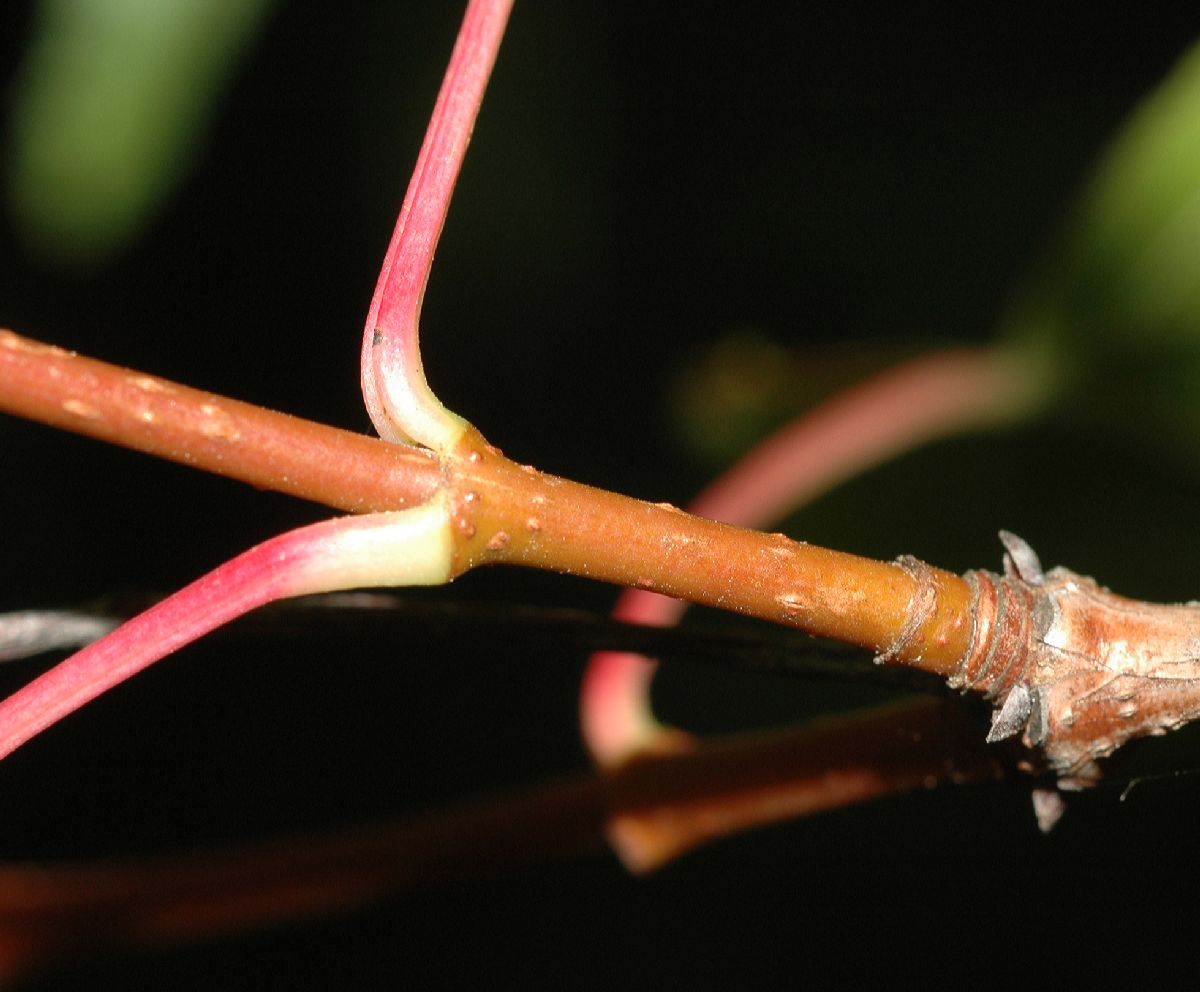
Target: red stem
<point>406,546</point>
<point>393,380</point>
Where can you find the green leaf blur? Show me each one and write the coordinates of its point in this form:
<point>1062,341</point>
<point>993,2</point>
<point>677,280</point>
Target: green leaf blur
<point>111,102</point>
<point>1115,309</point>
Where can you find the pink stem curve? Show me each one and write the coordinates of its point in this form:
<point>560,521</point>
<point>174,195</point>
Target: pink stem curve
<point>397,396</point>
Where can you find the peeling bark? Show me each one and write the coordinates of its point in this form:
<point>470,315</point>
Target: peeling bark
<point>1075,669</point>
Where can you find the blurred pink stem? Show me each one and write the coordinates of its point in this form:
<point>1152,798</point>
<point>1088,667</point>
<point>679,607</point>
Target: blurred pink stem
<point>893,412</point>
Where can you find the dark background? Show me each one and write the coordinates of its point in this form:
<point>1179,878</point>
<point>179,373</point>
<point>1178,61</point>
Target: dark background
<point>644,179</point>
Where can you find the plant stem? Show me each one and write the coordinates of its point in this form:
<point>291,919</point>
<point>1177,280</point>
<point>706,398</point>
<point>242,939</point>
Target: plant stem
<point>513,514</point>
<point>497,512</point>
<point>404,547</point>
<point>397,396</point>
<point>505,512</point>
<point>266,449</point>
<point>932,396</point>
<point>1074,670</point>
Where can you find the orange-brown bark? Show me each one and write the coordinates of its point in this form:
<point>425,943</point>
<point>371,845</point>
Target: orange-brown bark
<point>238,440</point>
<point>904,611</point>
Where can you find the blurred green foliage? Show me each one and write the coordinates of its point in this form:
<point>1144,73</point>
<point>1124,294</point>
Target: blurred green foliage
<point>1114,309</point>
<point>111,103</point>
<point>1110,315</point>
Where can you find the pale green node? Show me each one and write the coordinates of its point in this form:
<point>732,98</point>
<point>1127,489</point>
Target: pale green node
<point>109,106</point>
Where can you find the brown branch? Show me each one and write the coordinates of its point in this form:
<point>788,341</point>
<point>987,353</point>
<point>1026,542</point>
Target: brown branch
<point>238,440</point>
<point>657,807</point>
<point>1074,669</point>
<point>507,513</point>
<point>513,514</point>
